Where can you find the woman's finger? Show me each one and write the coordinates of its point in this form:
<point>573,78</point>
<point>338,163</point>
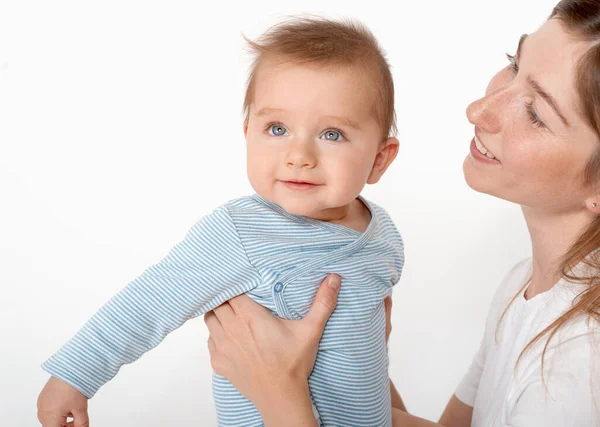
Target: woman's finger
<point>388,317</point>
<point>388,306</point>
<point>212,350</point>
<point>218,359</point>
<point>325,302</point>
<point>225,313</point>
<point>214,326</point>
<point>246,305</point>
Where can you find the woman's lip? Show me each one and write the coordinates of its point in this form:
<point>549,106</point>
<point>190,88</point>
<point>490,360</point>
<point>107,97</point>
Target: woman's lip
<point>478,155</point>
<point>299,185</point>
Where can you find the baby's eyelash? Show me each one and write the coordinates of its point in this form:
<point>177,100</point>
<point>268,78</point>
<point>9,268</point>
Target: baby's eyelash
<point>342,134</point>
<point>271,124</point>
<point>533,117</point>
<point>514,67</point>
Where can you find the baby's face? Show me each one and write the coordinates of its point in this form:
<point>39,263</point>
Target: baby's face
<point>311,137</point>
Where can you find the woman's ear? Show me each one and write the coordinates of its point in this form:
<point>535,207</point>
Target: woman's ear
<point>593,204</point>
<point>384,158</point>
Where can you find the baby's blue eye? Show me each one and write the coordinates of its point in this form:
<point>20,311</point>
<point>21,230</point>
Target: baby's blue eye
<point>332,135</point>
<point>277,130</point>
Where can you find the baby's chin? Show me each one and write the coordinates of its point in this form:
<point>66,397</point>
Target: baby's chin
<point>310,204</point>
<point>300,207</point>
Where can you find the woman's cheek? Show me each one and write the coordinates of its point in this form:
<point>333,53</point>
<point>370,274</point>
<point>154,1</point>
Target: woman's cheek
<point>543,161</point>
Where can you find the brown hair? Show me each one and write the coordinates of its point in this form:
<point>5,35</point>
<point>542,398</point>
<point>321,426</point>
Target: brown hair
<point>321,41</point>
<point>581,18</point>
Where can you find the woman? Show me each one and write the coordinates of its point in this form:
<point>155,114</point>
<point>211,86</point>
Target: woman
<point>537,143</point>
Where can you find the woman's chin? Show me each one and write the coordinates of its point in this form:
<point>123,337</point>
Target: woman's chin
<point>474,178</point>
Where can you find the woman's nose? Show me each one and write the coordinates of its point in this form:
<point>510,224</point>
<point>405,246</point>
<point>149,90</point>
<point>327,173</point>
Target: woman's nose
<point>488,112</point>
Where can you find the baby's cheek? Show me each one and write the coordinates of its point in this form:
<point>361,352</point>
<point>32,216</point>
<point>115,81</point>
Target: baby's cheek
<point>351,175</point>
<point>258,172</point>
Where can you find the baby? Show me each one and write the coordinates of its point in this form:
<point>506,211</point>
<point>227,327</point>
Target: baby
<point>319,113</point>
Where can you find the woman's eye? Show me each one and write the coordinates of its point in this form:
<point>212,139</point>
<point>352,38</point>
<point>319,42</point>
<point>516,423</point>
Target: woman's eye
<point>332,135</point>
<point>533,117</point>
<point>514,67</point>
<point>277,130</point>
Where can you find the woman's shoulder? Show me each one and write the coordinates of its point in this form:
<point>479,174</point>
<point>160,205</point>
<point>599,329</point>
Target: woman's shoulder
<point>514,280</point>
<point>510,286</point>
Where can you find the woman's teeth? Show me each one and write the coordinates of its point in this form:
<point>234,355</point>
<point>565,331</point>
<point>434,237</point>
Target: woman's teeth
<point>483,150</point>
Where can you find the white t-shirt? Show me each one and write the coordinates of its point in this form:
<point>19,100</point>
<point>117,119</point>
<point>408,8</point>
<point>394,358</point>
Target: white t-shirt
<point>567,394</point>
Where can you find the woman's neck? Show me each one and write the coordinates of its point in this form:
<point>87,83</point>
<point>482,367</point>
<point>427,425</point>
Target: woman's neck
<point>552,235</point>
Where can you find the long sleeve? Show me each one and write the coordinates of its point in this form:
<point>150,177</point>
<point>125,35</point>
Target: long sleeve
<point>206,269</point>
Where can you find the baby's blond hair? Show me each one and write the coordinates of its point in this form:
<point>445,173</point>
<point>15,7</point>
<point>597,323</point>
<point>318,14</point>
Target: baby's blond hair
<point>322,41</point>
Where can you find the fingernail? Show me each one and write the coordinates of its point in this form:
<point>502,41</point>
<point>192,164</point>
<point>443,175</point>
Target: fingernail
<point>334,282</point>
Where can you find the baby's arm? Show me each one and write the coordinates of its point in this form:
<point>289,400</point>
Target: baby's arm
<point>207,268</point>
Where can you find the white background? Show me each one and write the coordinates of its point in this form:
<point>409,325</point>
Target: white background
<point>120,125</point>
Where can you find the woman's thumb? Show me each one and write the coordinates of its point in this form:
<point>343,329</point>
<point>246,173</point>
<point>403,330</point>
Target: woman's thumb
<point>325,301</point>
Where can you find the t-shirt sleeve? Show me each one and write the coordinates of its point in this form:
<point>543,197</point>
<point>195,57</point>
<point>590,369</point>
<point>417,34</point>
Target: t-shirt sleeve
<point>467,389</point>
<point>207,268</point>
<point>568,394</point>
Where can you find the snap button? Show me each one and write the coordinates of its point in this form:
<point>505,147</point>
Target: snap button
<point>278,287</point>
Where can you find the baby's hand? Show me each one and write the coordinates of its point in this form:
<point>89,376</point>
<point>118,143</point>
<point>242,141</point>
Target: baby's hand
<point>58,401</point>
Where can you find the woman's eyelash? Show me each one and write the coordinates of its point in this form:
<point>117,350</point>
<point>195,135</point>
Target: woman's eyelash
<point>513,63</point>
<point>533,117</point>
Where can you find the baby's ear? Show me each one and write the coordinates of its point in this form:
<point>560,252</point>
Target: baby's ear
<point>245,128</point>
<point>384,158</point>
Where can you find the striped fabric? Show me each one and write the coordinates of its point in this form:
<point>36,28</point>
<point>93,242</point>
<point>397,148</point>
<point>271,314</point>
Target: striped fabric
<point>252,246</point>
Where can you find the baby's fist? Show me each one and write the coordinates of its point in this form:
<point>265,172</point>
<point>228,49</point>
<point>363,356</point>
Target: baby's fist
<point>57,401</point>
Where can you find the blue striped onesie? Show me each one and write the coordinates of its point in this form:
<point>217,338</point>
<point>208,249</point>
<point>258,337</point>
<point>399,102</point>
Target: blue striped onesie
<point>253,246</point>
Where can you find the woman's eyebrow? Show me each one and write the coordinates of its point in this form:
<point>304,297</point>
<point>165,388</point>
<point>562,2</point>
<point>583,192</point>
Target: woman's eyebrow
<point>538,88</point>
<point>521,40</point>
<point>549,98</point>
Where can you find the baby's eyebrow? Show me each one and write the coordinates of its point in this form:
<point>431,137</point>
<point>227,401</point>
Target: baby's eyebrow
<point>344,120</point>
<point>268,110</point>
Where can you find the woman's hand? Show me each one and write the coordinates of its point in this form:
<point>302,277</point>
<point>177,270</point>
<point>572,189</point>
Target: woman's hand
<point>388,318</point>
<point>266,358</point>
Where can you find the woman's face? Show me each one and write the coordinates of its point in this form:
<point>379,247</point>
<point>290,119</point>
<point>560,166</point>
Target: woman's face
<point>529,124</point>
